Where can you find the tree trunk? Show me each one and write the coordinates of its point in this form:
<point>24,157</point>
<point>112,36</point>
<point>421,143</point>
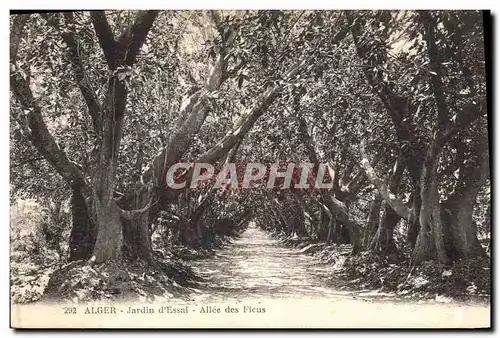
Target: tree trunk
<point>413,219</point>
<point>373,220</point>
<point>447,230</point>
<point>323,226</point>
<point>83,231</point>
<point>331,229</point>
<point>384,238</point>
<point>355,239</point>
<point>109,232</point>
<point>189,235</point>
<point>459,207</point>
<point>430,243</point>
<point>334,205</point>
<point>136,234</point>
<point>106,212</point>
<point>299,216</point>
<point>278,219</point>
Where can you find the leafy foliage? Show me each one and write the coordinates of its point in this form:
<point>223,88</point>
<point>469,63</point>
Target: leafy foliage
<point>125,94</point>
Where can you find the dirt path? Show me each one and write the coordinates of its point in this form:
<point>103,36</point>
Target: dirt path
<point>256,282</point>
<point>257,268</point>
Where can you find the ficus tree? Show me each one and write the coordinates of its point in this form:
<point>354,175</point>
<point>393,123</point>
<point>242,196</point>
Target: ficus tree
<point>441,101</point>
<point>117,86</point>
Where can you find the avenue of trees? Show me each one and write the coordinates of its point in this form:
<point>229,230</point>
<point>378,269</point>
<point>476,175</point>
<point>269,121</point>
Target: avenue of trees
<point>103,103</point>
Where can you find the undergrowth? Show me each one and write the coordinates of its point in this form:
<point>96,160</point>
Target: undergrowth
<point>466,279</point>
<point>40,271</point>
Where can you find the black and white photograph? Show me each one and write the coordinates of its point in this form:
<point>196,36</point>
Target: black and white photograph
<point>250,169</point>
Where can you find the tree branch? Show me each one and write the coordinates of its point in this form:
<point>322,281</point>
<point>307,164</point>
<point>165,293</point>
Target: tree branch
<point>191,119</point>
<point>470,113</point>
<point>38,134</point>
<point>105,36</point>
<point>15,34</point>
<point>397,204</point>
<point>247,121</point>
<point>334,205</point>
<point>136,34</point>
<point>436,79</point>
<point>75,52</point>
<point>397,106</point>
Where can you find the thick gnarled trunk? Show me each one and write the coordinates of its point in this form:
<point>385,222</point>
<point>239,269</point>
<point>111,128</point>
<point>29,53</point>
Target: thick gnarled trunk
<point>109,239</point>
<point>136,226</point>
<point>83,232</point>
<point>447,230</point>
<point>430,243</point>
<point>459,207</point>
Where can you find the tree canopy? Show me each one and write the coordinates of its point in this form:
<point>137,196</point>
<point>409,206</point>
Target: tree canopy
<point>104,103</point>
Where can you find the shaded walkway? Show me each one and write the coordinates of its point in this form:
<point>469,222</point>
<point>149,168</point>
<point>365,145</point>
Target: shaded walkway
<point>256,269</point>
<point>258,266</point>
